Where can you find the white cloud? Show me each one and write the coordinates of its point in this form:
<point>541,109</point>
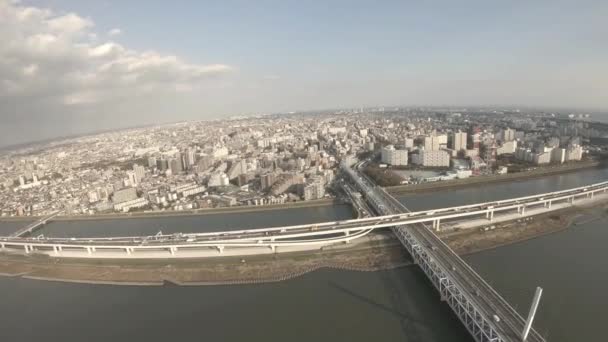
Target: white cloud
<point>57,57</point>
<point>114,32</point>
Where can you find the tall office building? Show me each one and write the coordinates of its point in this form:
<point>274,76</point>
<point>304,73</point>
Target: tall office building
<point>267,180</point>
<point>175,165</point>
<point>190,158</point>
<point>132,178</point>
<point>140,172</point>
<point>507,134</point>
<point>433,142</point>
<point>151,162</point>
<point>459,141</point>
<point>162,164</point>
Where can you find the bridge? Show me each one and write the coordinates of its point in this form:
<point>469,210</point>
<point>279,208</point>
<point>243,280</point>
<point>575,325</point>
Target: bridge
<point>35,225</point>
<point>484,313</point>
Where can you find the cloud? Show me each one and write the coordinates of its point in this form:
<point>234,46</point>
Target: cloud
<point>114,32</point>
<point>57,58</point>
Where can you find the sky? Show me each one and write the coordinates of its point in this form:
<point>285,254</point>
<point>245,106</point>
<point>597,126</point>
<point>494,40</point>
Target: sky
<point>70,66</point>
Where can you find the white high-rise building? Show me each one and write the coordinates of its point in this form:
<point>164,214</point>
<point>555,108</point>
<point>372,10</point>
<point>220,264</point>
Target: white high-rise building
<point>459,141</point>
<point>140,172</point>
<point>190,158</point>
<point>392,156</point>
<point>574,152</point>
<point>507,134</point>
<point>132,178</point>
<point>433,142</point>
<point>409,143</point>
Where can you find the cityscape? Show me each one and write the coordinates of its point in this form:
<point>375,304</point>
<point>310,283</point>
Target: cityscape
<point>303,171</point>
<point>279,159</point>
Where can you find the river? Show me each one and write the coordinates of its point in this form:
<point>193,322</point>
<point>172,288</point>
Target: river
<point>324,305</point>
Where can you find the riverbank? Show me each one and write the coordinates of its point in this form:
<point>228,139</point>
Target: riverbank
<point>481,180</point>
<point>469,241</point>
<point>378,252</point>
<point>194,212</point>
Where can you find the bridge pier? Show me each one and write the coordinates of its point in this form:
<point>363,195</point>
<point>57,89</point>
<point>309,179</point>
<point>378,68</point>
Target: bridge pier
<point>128,250</point>
<point>55,250</point>
<point>27,249</point>
<point>220,249</point>
<point>436,224</point>
<point>172,250</point>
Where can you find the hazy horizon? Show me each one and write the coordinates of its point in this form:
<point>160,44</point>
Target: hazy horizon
<point>72,67</point>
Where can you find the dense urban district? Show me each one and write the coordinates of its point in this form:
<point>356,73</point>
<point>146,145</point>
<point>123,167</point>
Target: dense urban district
<point>275,159</point>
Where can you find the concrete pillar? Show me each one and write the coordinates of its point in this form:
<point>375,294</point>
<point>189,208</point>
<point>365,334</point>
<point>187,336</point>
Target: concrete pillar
<point>128,250</point>
<point>523,210</point>
<point>437,222</point>
<point>55,250</point>
<point>60,248</point>
<point>89,251</point>
<point>549,204</point>
<point>27,249</point>
<point>2,245</point>
<point>591,195</point>
<point>220,249</point>
<point>492,215</point>
<point>172,250</point>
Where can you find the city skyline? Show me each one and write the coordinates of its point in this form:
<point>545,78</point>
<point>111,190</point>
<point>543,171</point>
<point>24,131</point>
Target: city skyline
<point>72,68</point>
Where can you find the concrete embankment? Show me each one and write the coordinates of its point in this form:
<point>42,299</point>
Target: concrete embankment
<point>476,181</point>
